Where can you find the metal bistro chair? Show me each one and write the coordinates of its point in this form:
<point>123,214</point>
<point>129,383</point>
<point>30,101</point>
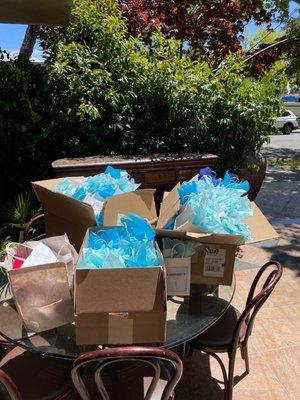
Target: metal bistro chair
<point>8,390</point>
<point>30,224</point>
<point>127,373</point>
<point>25,375</point>
<point>233,329</point>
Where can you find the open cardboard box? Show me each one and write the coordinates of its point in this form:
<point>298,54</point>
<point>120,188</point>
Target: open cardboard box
<point>64,214</point>
<point>213,261</point>
<point>120,305</point>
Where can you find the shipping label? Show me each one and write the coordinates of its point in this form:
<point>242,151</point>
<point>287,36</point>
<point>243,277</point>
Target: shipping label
<point>214,262</point>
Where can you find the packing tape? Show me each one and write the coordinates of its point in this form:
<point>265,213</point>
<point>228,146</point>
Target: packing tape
<point>120,328</point>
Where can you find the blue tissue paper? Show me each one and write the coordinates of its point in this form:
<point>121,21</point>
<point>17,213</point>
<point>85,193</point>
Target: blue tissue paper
<point>79,193</point>
<point>209,173</point>
<point>113,172</point>
<point>229,180</point>
<point>138,228</point>
<point>215,205</point>
<point>65,187</point>
<point>128,246</point>
<point>96,189</point>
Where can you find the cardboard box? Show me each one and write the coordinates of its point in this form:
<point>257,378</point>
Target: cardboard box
<point>214,256</point>
<point>42,293</point>
<point>120,305</point>
<point>64,214</point>
<point>213,261</point>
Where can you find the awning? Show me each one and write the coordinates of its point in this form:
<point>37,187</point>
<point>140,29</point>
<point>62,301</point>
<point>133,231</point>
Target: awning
<point>35,12</point>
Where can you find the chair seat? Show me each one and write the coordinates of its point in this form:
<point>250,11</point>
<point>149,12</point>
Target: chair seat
<point>220,335</point>
<point>37,377</point>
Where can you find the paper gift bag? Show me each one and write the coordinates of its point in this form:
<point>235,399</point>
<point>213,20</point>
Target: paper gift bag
<point>42,293</point>
<point>178,276</point>
<point>178,267</point>
<point>66,253</point>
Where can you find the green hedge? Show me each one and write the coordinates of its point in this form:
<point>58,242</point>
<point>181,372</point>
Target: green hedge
<point>102,92</point>
<point>24,99</point>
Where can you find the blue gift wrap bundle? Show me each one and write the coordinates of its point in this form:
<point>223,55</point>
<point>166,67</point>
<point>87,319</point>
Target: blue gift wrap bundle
<point>214,205</point>
<point>94,190</point>
<point>127,246</point>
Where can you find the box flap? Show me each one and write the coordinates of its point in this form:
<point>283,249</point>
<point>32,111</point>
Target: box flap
<point>169,207</point>
<point>64,207</point>
<point>119,290</point>
<point>201,237</point>
<point>140,202</point>
<point>258,224</point>
<point>260,227</point>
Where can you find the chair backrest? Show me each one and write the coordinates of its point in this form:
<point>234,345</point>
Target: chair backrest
<point>120,373</point>
<point>37,218</point>
<point>255,301</point>
<point>8,390</point>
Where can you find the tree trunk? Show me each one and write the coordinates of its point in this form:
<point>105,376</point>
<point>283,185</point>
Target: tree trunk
<point>28,42</point>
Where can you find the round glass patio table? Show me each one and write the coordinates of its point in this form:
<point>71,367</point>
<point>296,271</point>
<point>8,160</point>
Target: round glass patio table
<point>187,317</point>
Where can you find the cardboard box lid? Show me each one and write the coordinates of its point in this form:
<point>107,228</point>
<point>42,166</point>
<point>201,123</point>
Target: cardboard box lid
<point>119,290</point>
<point>78,212</point>
<point>201,237</point>
<point>259,226</point>
<point>65,207</point>
<point>141,202</point>
<point>169,207</point>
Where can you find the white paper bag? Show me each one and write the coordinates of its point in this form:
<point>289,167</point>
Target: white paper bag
<point>178,276</point>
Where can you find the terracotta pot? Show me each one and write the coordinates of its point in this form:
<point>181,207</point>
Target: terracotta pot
<point>256,175</point>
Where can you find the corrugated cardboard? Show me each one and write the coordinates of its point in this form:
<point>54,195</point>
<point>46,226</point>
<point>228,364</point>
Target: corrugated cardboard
<point>141,202</point>
<point>259,226</point>
<point>64,214</point>
<point>215,252</point>
<point>202,257</point>
<point>120,305</point>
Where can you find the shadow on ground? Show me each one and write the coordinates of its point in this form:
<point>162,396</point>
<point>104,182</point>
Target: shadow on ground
<point>274,153</point>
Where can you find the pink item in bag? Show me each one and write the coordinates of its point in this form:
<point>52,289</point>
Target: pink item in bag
<point>17,261</point>
<point>17,254</point>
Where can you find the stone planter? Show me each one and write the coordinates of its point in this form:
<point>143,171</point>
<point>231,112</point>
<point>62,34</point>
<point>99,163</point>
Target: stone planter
<point>256,175</point>
<point>160,172</point>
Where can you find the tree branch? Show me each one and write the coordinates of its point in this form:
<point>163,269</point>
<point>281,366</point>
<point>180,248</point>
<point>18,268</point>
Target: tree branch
<point>29,42</point>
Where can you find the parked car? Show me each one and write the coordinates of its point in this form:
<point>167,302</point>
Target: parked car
<point>287,123</point>
<point>290,98</point>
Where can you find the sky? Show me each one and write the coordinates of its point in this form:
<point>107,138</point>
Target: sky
<point>11,35</point>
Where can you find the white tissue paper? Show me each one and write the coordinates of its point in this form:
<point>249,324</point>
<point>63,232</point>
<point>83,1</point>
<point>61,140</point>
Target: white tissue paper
<point>41,254</point>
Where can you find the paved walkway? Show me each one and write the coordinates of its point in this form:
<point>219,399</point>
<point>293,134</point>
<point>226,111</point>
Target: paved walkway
<point>279,199</point>
<point>275,342</point>
<point>274,350</point>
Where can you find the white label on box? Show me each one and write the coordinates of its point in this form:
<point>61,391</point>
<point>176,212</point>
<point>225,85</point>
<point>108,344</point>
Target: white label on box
<point>214,262</point>
<point>178,276</point>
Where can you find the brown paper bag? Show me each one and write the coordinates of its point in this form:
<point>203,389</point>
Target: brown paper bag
<point>42,293</point>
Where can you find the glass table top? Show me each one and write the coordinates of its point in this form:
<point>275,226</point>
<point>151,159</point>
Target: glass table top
<point>187,317</point>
